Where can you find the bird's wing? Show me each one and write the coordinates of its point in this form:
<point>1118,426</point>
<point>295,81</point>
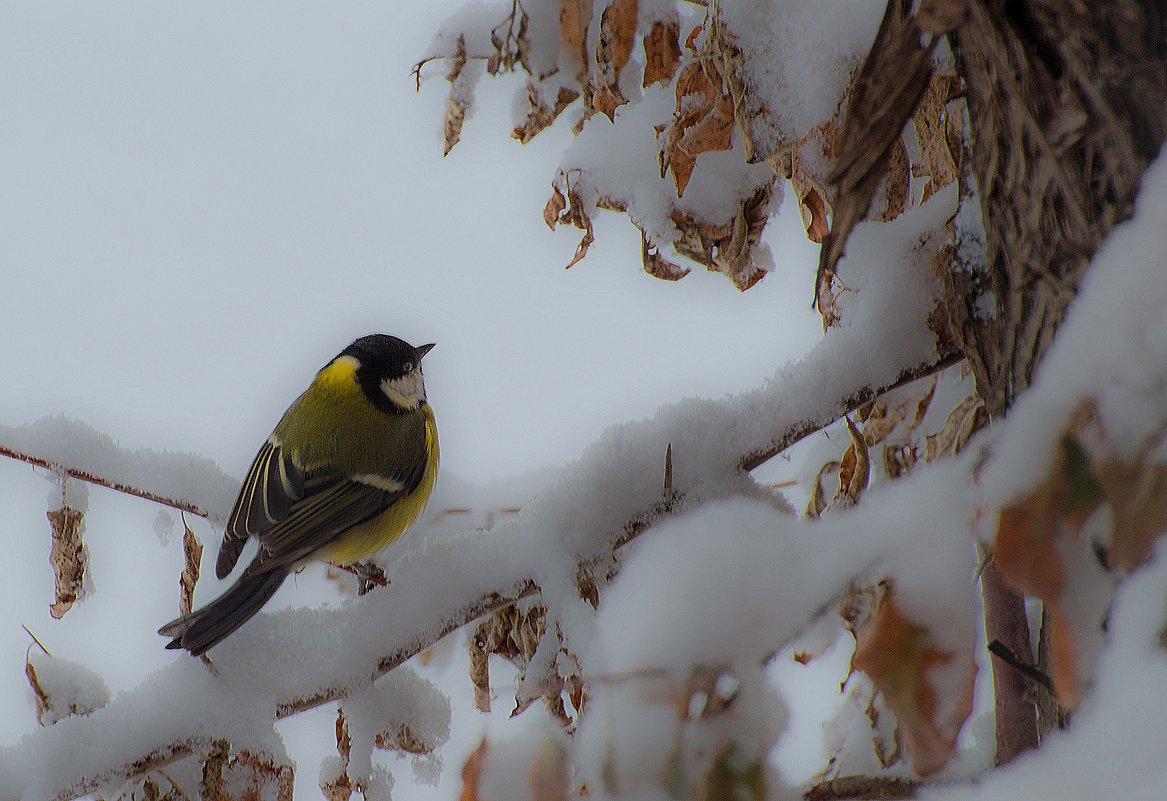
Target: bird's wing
<point>319,518</point>
<point>274,483</point>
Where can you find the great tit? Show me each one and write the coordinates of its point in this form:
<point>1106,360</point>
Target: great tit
<point>348,469</point>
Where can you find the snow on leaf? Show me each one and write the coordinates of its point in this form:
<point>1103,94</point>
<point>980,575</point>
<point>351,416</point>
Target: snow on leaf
<point>899,656</point>
<point>728,249</point>
<point>62,688</point>
<point>540,116</point>
<point>662,52</point>
<point>456,105</point>
<point>69,558</point>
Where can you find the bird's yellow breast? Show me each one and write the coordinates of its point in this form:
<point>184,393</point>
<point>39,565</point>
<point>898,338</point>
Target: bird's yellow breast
<point>366,539</point>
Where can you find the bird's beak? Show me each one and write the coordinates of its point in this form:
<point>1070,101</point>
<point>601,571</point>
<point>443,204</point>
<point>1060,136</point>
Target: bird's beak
<point>422,350</point>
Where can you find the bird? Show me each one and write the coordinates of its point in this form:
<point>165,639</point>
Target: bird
<point>347,470</point>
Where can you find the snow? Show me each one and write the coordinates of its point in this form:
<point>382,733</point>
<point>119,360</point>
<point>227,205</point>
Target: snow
<point>801,57</point>
<point>326,230</point>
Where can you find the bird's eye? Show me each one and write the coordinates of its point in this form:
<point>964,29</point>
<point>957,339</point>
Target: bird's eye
<point>407,367</point>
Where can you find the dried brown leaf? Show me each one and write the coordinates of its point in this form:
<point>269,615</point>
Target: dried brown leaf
<point>574,18</point>
<point>931,123</point>
<point>818,497</point>
<point>555,206</point>
<point>480,670</point>
<point>898,655</point>
<point>854,469</point>
<point>192,551</point>
<point>455,106</point>
<point>1137,494</point>
<point>899,181</point>
<point>472,772</point>
<point>727,249</point>
<point>69,558</point>
<point>662,52</point>
<point>617,34</point>
<point>540,116</point>
<point>657,265</point>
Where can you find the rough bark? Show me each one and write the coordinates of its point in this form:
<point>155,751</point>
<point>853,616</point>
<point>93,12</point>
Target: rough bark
<point>1066,102</point>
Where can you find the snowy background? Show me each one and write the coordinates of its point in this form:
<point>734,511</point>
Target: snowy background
<point>201,204</point>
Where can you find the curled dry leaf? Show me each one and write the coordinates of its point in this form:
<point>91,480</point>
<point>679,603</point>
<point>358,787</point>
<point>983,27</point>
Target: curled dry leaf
<point>555,206</point>
<point>69,558</point>
<point>192,551</point>
<point>456,105</point>
<point>934,131</point>
<point>703,122</point>
<point>727,249</point>
<point>965,419</point>
<point>510,633</point>
<point>617,34</point>
<point>662,52</point>
<point>574,215</point>
<point>811,206</point>
<point>854,470</point>
<point>818,497</point>
<point>899,656</point>
<point>657,265</point>
<point>540,116</point>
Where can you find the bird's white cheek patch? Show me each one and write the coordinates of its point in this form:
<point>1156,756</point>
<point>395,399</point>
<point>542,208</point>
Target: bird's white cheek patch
<point>408,391</point>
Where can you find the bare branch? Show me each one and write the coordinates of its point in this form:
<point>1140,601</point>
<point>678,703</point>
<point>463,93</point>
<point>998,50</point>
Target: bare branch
<point>83,475</point>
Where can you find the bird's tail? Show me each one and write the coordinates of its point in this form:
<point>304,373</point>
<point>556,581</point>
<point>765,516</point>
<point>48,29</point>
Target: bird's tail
<point>199,630</point>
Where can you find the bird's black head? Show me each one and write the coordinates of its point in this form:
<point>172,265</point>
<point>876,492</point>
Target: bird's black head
<point>389,371</point>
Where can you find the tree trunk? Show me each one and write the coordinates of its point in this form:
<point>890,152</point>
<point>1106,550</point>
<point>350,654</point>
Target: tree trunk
<point>1067,106</point>
<point>1067,101</point>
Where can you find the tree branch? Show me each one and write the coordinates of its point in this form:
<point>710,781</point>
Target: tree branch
<point>84,475</point>
<point>571,513</point>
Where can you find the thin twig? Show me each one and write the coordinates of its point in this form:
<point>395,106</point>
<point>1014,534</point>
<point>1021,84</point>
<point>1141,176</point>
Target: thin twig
<point>84,475</point>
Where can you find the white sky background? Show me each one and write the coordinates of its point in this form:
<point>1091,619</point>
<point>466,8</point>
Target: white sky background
<point>200,204</point>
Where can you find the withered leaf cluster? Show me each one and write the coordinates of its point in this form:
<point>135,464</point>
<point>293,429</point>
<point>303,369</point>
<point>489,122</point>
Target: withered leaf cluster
<point>514,634</point>
<point>835,169</point>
